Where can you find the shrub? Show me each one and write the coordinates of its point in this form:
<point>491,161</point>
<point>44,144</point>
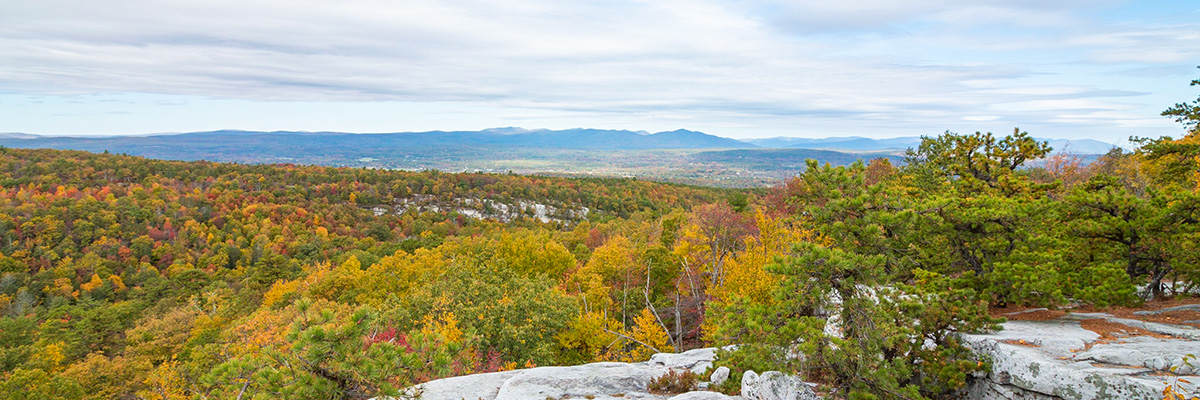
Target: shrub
<point>674,382</point>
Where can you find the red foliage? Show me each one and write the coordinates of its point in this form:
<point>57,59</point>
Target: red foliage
<point>386,335</point>
<point>595,239</point>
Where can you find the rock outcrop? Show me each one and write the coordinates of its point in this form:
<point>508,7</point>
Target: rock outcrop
<point>775,385</point>
<point>478,386</point>
<point>1060,359</point>
<point>1077,356</point>
<point>605,381</point>
<point>703,396</point>
<point>590,381</point>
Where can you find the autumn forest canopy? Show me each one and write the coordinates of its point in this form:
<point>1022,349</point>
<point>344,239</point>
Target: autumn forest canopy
<point>129,278</point>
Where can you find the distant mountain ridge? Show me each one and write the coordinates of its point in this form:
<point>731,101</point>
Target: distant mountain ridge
<point>862,144</point>
<point>681,155</point>
<point>577,139</point>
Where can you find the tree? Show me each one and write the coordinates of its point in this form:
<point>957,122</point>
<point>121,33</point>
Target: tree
<point>1128,227</point>
<point>863,339</point>
<point>978,161</point>
<point>981,218</point>
<point>36,384</point>
<point>717,232</point>
<point>1176,161</point>
<point>331,356</point>
<point>1187,114</point>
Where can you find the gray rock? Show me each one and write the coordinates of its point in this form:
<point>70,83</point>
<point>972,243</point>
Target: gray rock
<point>478,386</point>
<point>596,380</point>
<point>749,379</point>
<point>719,376</point>
<point>1057,363</point>
<point>1140,351</point>
<point>696,360</point>
<point>702,396</point>
<point>1179,331</point>
<point>1031,310</point>
<point>775,385</point>
<point>1186,307</point>
<point>602,381</point>
<point>1156,363</point>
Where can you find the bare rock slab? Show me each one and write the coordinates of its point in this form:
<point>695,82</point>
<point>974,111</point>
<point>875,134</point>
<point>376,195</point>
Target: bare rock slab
<point>581,381</point>
<point>1059,359</point>
<point>703,396</point>
<point>478,386</point>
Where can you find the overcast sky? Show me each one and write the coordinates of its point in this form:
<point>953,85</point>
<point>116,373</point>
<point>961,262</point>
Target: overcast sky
<point>739,68</point>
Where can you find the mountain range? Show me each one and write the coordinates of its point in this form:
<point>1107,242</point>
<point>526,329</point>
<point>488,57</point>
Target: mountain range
<point>236,141</point>
<point>862,144</point>
<point>679,156</point>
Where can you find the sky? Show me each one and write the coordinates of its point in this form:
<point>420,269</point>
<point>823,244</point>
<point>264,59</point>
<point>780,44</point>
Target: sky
<point>1098,69</point>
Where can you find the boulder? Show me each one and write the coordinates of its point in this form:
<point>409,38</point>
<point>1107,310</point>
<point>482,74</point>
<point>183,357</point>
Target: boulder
<point>696,360</point>
<point>775,385</point>
<point>719,376</point>
<point>702,396</point>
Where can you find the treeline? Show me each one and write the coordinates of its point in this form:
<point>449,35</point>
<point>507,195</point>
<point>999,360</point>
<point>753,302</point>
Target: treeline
<point>122,277</point>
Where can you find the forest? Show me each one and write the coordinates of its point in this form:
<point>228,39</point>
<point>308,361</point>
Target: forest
<point>129,278</point>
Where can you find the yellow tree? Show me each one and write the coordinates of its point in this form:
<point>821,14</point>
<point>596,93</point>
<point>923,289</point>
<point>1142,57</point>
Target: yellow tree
<point>747,280</point>
<point>649,337</point>
<point>400,273</point>
<point>166,383</point>
<point>534,252</point>
<point>716,232</point>
<point>746,274</point>
<point>586,339</point>
<point>611,266</point>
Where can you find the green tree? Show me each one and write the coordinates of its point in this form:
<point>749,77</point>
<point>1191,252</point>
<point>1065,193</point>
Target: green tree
<point>1187,114</point>
<point>331,356</point>
<point>857,336</point>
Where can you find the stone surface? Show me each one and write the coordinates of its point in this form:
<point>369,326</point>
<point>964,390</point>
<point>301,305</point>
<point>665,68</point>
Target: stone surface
<point>719,376</point>
<point>703,396</point>
<point>775,385</point>
<point>696,360</point>
<point>1058,359</point>
<point>1061,360</point>
<point>602,381</point>
<point>484,386</point>
<point>1186,307</point>
<point>581,381</point>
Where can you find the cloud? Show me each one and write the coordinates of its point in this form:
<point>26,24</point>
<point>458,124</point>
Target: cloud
<point>858,65</point>
<point>1162,45</point>
<point>824,16</point>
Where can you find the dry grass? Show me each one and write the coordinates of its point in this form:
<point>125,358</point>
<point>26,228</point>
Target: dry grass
<point>1109,330</point>
<point>1174,317</point>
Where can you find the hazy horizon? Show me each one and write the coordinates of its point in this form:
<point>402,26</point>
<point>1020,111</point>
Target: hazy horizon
<point>747,140</point>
